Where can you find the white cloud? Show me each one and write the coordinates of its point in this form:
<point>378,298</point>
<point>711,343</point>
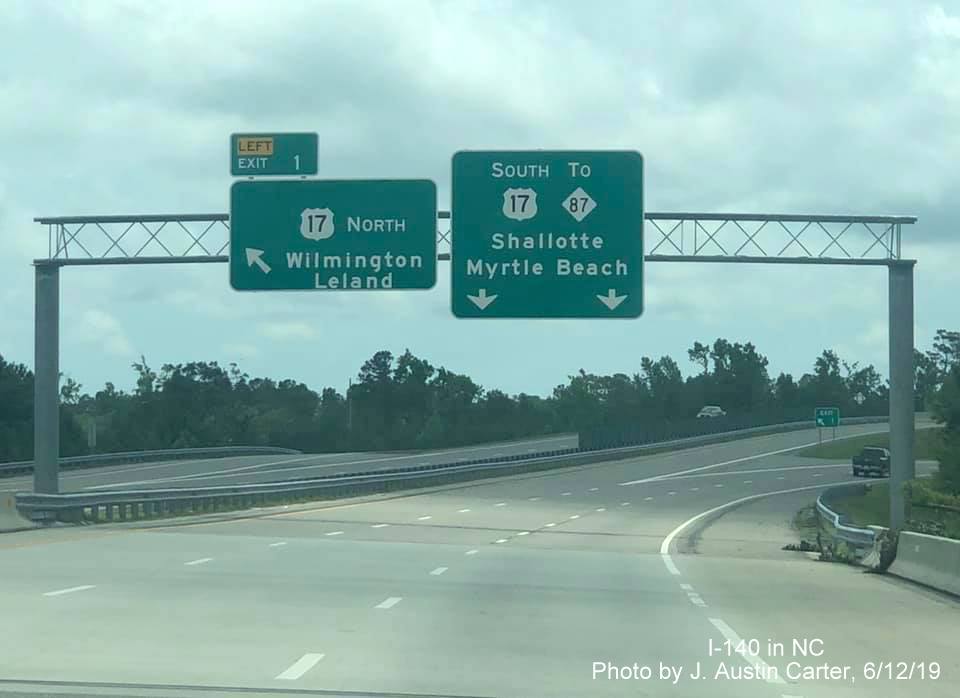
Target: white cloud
<point>288,329</point>
<point>239,350</point>
<point>754,106</point>
<point>103,330</point>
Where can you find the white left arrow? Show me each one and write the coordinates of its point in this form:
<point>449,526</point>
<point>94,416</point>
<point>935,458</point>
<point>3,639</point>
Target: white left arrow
<point>255,256</point>
<point>611,300</point>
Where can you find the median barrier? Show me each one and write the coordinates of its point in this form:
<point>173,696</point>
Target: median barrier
<point>929,560</point>
<point>95,507</point>
<point>100,459</point>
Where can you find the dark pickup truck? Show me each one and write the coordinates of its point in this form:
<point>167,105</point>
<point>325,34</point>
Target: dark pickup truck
<point>872,462</point>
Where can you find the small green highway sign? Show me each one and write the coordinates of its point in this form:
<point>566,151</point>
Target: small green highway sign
<point>827,416</point>
<point>273,154</point>
<point>547,234</point>
<point>333,234</point>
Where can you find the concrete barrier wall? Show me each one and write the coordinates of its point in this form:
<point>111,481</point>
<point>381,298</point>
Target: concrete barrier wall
<point>10,519</point>
<point>929,560</point>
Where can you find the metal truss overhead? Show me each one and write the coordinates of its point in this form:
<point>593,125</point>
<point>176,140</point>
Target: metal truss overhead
<point>707,237</point>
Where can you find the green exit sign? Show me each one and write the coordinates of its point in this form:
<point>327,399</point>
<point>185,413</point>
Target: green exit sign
<point>273,154</point>
<point>547,234</point>
<point>827,416</point>
<point>333,235</point>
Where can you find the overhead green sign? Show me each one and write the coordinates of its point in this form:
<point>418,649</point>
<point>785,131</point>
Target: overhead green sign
<point>333,234</point>
<point>827,416</point>
<point>547,234</point>
<point>273,154</point>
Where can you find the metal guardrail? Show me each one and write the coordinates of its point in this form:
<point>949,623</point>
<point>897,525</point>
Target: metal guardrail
<point>97,459</point>
<point>93,507</point>
<point>837,526</point>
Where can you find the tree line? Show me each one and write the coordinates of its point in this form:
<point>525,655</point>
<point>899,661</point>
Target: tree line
<point>405,402</point>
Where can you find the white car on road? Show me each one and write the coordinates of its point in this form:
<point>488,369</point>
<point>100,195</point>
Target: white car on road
<point>711,411</point>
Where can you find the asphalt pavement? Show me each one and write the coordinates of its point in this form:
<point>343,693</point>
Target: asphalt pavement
<point>572,582</point>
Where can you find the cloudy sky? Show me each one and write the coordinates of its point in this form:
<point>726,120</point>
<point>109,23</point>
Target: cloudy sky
<point>803,107</point>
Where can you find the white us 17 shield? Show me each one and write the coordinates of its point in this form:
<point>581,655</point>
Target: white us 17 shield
<point>316,223</point>
<point>520,203</point>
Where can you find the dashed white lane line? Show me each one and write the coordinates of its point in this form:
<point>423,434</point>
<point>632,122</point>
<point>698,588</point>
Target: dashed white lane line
<point>523,533</point>
<point>472,552</point>
<point>424,518</point>
<point>380,525</point>
<point>199,561</point>
<point>719,484</point>
<point>389,602</point>
<point>278,544</point>
<point>686,587</point>
<point>549,525</point>
<point>69,590</point>
<point>696,600</point>
<point>594,489</point>
<point>463,511</point>
<point>748,482</point>
<point>763,669</point>
<point>575,516</point>
<point>647,499</point>
<point>624,504</point>
<point>781,478</point>
<point>438,571</point>
<point>671,493</point>
<point>500,504</point>
<point>300,667</point>
<point>817,475</point>
<point>335,533</point>
<point>500,540</point>
<point>565,494</point>
<point>694,489</point>
<point>601,509</point>
<point>533,499</point>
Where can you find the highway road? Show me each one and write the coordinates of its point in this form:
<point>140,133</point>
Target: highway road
<point>563,583</point>
<point>248,469</point>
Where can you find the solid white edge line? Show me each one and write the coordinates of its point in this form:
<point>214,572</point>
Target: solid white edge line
<point>701,468</point>
<point>665,545</point>
<point>299,667</point>
<point>731,635</point>
<point>389,602</point>
<point>278,544</point>
<point>472,552</point>
<point>440,570</point>
<point>69,590</point>
<point>380,525</point>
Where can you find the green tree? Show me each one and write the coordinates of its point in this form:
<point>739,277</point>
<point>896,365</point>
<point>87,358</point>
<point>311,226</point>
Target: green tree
<point>700,354</point>
<point>946,410</point>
